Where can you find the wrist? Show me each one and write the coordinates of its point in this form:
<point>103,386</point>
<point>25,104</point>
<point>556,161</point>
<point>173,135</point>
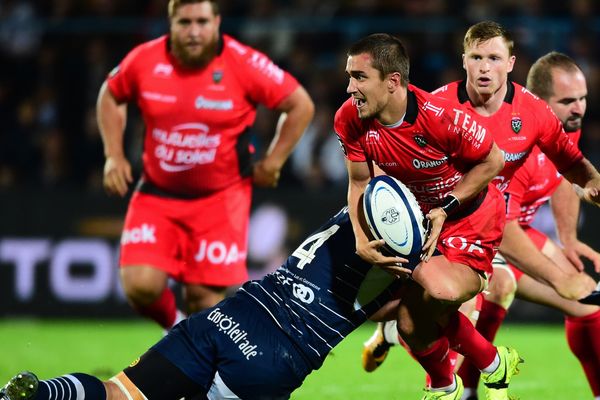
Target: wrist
<point>450,204</point>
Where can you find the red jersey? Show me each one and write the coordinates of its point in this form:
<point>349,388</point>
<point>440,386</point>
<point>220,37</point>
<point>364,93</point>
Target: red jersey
<point>523,121</point>
<point>430,150</point>
<point>195,119</point>
<point>532,185</point>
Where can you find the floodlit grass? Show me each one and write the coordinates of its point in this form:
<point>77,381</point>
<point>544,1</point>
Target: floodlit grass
<point>103,348</point>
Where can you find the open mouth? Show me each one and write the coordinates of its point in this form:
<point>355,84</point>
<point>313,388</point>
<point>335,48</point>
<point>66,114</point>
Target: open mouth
<point>484,81</point>
<point>359,103</point>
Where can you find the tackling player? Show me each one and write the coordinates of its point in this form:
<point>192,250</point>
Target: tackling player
<point>447,157</point>
<point>259,343</point>
<point>198,91</point>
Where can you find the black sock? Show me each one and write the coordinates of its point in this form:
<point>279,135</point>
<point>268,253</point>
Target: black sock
<point>71,387</point>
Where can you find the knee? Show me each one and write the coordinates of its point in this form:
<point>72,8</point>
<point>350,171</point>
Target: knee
<point>451,293</point>
<point>501,290</point>
<point>141,291</point>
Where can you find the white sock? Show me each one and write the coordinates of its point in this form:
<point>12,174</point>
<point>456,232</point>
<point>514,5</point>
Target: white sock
<point>468,393</point>
<point>390,332</point>
<point>447,389</point>
<point>493,366</point>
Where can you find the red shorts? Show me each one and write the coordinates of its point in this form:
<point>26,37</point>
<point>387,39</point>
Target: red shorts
<point>474,239</point>
<point>538,238</point>
<point>198,241</point>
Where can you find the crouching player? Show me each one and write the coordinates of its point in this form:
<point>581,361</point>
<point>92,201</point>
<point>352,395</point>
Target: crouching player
<point>258,344</point>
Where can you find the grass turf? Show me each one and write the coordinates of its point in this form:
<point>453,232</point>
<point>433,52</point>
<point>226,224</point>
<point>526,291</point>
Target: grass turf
<point>103,348</point>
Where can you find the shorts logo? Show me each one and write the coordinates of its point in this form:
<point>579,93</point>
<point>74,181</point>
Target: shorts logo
<point>143,234</point>
<point>219,253</point>
<point>461,243</point>
<point>516,124</point>
<point>231,329</point>
<point>303,293</point>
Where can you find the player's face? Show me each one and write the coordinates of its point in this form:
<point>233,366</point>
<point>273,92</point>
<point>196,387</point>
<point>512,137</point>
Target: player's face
<point>569,99</point>
<point>368,90</point>
<point>487,64</point>
<point>194,34</point>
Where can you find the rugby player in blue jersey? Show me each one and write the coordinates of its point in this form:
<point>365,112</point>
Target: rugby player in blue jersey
<point>258,344</point>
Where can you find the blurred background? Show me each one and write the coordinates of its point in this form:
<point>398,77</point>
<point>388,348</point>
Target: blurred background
<point>59,231</point>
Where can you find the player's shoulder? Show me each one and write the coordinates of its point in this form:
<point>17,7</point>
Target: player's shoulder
<point>448,90</point>
<point>526,99</point>
<point>247,59</point>
<point>346,113</point>
<point>149,48</point>
<point>428,105</point>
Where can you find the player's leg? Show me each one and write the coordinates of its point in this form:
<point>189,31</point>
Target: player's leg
<point>149,255</point>
<point>582,324</point>
<point>495,303</point>
<point>216,245</point>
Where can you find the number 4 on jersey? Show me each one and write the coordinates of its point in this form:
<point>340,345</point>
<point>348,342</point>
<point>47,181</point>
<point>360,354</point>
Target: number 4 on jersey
<point>306,251</point>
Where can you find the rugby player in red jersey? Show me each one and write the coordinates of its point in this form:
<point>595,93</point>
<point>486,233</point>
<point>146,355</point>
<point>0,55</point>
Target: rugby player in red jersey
<point>447,157</point>
<point>519,121</point>
<point>198,91</point>
<point>557,79</point>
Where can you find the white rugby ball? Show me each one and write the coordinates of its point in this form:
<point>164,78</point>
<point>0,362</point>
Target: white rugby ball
<point>393,214</point>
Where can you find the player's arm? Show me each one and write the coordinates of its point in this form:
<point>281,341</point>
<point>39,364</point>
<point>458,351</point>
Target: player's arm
<point>369,250</point>
<point>112,118</point>
<point>297,111</point>
<point>565,209</point>
<point>472,183</point>
<point>520,250</point>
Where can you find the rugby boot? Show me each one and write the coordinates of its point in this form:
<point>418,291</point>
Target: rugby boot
<point>375,350</point>
<point>453,395</point>
<point>496,383</point>
<point>22,386</point>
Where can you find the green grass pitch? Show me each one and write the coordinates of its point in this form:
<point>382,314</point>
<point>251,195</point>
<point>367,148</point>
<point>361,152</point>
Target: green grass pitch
<point>102,348</point>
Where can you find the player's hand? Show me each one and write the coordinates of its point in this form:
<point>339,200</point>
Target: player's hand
<point>576,250</point>
<point>590,193</point>
<point>436,217</point>
<point>117,175</point>
<point>371,253</point>
<point>575,286</point>
<point>266,174</point>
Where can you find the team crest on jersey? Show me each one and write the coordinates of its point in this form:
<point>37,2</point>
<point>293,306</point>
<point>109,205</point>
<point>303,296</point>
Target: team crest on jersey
<point>516,124</point>
<point>420,139</point>
<point>217,76</point>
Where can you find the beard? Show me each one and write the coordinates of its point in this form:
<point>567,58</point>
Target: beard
<point>193,60</point>
<point>572,124</point>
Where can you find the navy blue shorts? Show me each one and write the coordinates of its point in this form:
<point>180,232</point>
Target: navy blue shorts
<point>236,346</point>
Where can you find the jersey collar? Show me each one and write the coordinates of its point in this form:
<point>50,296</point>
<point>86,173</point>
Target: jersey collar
<point>463,97</point>
<point>412,109</point>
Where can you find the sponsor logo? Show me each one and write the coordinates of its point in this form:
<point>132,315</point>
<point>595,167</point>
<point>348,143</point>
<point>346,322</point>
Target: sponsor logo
<point>143,234</point>
<point>512,157</point>
<point>420,139</point>
<point>267,67</point>
<point>208,104</point>
<point>422,164</point>
<point>390,216</point>
<point>164,98</point>
<point>303,293</point>
<point>427,106</point>
<point>185,146</point>
<point>218,252</point>
<point>372,137</point>
<point>469,128</point>
<point>460,243</point>
<point>232,330</point>
<point>516,124</point>
<point>163,69</point>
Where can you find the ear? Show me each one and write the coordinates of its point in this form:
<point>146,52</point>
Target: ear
<point>394,81</point>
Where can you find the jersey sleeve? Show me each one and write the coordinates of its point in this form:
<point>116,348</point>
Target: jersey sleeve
<point>517,188</point>
<point>347,130</point>
<point>265,82</point>
<point>555,142</point>
<point>122,79</point>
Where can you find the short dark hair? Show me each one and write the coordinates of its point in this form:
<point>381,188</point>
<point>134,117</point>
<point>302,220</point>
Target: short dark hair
<point>486,30</point>
<point>388,52</point>
<point>539,77</point>
<point>175,4</point>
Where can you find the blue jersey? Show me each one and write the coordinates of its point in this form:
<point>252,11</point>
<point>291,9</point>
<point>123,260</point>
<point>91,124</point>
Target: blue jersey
<point>323,291</point>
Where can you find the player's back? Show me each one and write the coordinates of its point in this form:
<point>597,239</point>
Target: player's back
<point>324,290</point>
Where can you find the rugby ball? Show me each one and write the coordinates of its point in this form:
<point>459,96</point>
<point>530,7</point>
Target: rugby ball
<point>393,214</point>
